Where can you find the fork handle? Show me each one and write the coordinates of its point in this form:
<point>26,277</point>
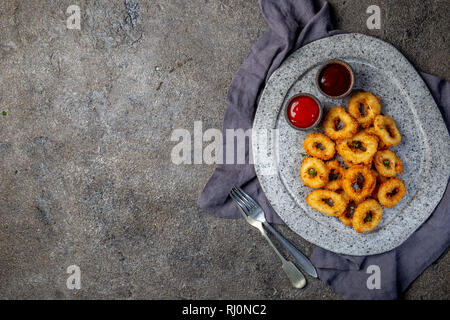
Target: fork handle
<point>299,257</point>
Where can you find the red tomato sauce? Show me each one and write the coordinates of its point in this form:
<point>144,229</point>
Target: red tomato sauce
<point>303,111</point>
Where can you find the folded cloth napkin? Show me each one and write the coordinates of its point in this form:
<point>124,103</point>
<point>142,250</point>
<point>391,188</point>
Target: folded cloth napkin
<point>292,24</point>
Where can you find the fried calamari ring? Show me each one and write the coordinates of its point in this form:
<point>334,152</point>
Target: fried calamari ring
<point>333,121</point>
<point>319,145</point>
<point>386,129</point>
<point>367,216</point>
<point>335,176</point>
<point>327,202</point>
<point>391,192</point>
<point>364,106</point>
<point>387,163</point>
<point>381,144</point>
<point>358,149</point>
<point>358,182</point>
<point>379,180</point>
<point>314,172</point>
<point>347,217</point>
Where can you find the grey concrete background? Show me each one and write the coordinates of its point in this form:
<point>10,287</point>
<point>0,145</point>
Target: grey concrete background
<point>86,176</point>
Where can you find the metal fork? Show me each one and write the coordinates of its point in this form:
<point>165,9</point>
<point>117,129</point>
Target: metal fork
<point>295,276</point>
<point>256,212</point>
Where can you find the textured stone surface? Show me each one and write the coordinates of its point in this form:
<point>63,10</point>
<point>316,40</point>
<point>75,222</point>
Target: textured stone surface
<point>85,146</point>
<point>381,69</point>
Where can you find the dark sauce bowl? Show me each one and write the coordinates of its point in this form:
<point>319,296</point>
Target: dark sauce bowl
<point>338,76</point>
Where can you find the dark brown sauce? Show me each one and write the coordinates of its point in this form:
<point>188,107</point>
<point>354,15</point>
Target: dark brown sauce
<point>335,79</point>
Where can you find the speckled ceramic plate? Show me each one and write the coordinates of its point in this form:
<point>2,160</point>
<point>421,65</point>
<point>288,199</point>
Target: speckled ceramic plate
<point>425,148</point>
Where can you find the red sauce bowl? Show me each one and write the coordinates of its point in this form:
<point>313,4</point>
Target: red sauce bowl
<point>303,111</point>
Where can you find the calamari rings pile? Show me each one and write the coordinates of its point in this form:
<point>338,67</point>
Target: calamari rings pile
<point>356,191</point>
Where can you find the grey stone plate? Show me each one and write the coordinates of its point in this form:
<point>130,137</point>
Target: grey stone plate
<point>425,148</point>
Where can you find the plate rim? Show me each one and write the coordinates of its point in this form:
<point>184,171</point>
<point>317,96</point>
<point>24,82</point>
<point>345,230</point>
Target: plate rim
<point>432,160</point>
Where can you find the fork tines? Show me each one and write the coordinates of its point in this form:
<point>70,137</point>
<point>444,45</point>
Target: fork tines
<point>242,198</point>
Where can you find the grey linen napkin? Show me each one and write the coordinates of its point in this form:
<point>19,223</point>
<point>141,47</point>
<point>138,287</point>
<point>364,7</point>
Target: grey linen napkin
<point>292,24</point>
